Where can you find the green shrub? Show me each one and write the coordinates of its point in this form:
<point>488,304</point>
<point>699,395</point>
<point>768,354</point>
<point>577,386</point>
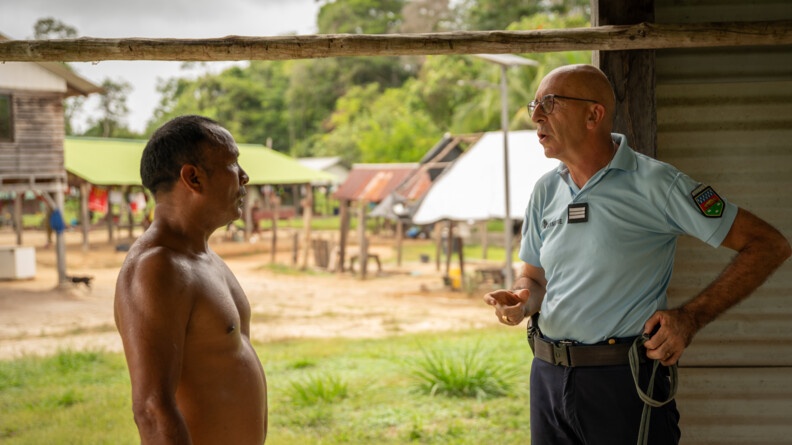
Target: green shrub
<point>469,373</point>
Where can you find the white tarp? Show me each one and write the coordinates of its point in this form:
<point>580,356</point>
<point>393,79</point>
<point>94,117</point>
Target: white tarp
<point>472,189</point>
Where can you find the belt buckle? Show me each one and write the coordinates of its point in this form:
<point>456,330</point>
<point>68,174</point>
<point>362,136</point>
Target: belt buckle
<point>561,355</point>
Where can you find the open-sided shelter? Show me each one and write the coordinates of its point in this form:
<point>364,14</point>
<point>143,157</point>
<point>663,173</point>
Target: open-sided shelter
<point>366,184</point>
<point>116,163</point>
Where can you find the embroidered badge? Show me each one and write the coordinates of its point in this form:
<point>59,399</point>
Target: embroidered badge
<point>577,213</point>
<point>710,204</point>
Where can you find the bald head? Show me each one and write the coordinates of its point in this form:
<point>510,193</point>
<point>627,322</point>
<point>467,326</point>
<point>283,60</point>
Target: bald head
<point>585,81</point>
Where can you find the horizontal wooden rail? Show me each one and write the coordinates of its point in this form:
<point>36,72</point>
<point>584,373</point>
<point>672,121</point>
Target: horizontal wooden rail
<point>605,38</point>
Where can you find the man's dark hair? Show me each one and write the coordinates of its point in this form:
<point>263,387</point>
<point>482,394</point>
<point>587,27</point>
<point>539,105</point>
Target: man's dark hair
<point>179,141</point>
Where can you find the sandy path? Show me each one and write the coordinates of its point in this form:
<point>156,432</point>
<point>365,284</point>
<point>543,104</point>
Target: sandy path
<point>37,319</point>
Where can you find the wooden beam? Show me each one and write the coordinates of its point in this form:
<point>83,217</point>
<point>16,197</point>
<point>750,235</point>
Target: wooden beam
<point>632,74</point>
<point>610,38</point>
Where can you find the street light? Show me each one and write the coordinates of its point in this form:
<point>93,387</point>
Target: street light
<point>505,61</point>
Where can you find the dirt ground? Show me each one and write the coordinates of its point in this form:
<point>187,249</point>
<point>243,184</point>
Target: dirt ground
<point>37,317</point>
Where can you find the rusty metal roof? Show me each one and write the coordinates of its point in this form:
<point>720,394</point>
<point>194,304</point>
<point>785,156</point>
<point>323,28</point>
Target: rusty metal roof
<point>373,182</point>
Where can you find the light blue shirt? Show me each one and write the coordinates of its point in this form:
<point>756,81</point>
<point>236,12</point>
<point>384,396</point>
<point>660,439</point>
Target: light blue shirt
<point>607,276</point>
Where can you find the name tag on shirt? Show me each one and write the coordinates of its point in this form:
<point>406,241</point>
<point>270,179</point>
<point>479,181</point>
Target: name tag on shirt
<point>577,213</point>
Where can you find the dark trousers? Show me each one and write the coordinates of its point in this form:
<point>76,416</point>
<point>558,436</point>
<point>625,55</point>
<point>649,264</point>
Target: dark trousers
<point>597,406</point>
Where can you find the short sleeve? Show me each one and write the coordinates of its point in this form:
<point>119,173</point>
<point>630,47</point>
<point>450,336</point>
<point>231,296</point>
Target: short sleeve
<point>698,210</point>
<point>531,234</point>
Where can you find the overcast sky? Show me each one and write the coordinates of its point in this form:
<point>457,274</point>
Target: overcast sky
<point>156,18</point>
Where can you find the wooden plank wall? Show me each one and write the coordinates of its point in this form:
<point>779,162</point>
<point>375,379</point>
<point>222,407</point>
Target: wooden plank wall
<point>37,148</point>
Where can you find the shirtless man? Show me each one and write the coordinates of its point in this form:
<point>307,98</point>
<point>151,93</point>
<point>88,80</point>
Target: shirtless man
<point>182,315</point>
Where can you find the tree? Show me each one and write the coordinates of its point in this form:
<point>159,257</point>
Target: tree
<point>363,127</point>
<point>248,101</point>
<point>486,15</point>
<point>112,110</point>
<point>50,28</point>
<point>373,109</point>
<point>419,16</point>
<point>359,16</point>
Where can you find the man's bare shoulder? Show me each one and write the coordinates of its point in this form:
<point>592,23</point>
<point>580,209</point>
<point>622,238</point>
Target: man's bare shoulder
<point>153,270</point>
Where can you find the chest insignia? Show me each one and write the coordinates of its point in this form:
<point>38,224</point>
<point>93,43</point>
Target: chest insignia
<point>577,213</point>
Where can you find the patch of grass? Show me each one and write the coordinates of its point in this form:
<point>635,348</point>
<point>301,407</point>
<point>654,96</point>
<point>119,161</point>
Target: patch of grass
<point>284,269</point>
<point>303,363</point>
<point>472,252</point>
<point>355,392</point>
<point>463,373</point>
<point>318,389</point>
<point>69,397</point>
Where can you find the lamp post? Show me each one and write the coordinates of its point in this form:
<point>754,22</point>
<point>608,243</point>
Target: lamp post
<point>505,61</point>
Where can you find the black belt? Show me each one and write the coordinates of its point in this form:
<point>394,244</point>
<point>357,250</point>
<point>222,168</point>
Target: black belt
<point>570,354</point>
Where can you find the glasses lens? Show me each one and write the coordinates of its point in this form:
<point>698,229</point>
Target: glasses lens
<point>547,104</point>
<point>531,107</point>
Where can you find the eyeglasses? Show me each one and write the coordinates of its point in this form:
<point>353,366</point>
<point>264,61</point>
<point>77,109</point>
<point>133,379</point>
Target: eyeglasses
<point>548,103</point>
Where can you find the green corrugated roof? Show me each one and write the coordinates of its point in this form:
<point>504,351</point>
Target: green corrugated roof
<point>117,162</point>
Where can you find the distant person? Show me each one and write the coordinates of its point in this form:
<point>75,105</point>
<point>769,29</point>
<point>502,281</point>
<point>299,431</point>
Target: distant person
<point>182,315</point>
<point>598,246</point>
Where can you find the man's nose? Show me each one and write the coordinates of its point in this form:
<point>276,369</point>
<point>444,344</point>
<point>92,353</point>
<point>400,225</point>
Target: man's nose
<point>243,176</point>
<point>538,115</point>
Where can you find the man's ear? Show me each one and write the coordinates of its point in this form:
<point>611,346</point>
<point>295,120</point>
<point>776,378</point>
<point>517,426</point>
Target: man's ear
<point>595,116</point>
<point>190,176</point>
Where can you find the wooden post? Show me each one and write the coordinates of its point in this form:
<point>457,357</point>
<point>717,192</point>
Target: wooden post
<point>363,250</point>
<point>399,239</point>
<point>247,213</point>
<point>128,208</point>
<point>109,218</point>
<point>438,244</point>
<point>632,74</point>
<point>275,202</point>
<point>450,246</point>
<point>461,255</point>
<point>18,216</point>
<point>295,247</point>
<point>85,218</point>
<point>484,239</point>
<point>307,206</point>
<point>344,231</point>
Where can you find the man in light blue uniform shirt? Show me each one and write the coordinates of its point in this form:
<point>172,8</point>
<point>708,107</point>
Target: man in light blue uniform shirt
<point>637,206</point>
<point>598,245</point>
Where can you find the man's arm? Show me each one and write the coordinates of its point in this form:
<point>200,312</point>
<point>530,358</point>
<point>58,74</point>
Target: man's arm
<point>152,312</point>
<point>761,249</point>
<point>525,298</point>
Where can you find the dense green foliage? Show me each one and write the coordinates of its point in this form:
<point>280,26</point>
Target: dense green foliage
<point>377,109</point>
<point>364,109</point>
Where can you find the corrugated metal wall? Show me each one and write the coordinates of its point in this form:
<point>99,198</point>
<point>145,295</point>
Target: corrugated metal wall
<point>725,117</point>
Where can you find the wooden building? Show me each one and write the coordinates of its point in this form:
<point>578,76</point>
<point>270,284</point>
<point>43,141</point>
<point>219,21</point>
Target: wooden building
<point>32,131</point>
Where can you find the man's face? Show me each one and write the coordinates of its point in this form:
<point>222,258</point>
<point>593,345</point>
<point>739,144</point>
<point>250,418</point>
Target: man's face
<point>562,129</point>
<point>225,179</point>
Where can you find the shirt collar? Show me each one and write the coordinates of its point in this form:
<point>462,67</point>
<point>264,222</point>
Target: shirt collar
<point>624,159</point>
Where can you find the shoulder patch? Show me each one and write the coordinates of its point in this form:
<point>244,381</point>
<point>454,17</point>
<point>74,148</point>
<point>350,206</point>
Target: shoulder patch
<point>708,201</point>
